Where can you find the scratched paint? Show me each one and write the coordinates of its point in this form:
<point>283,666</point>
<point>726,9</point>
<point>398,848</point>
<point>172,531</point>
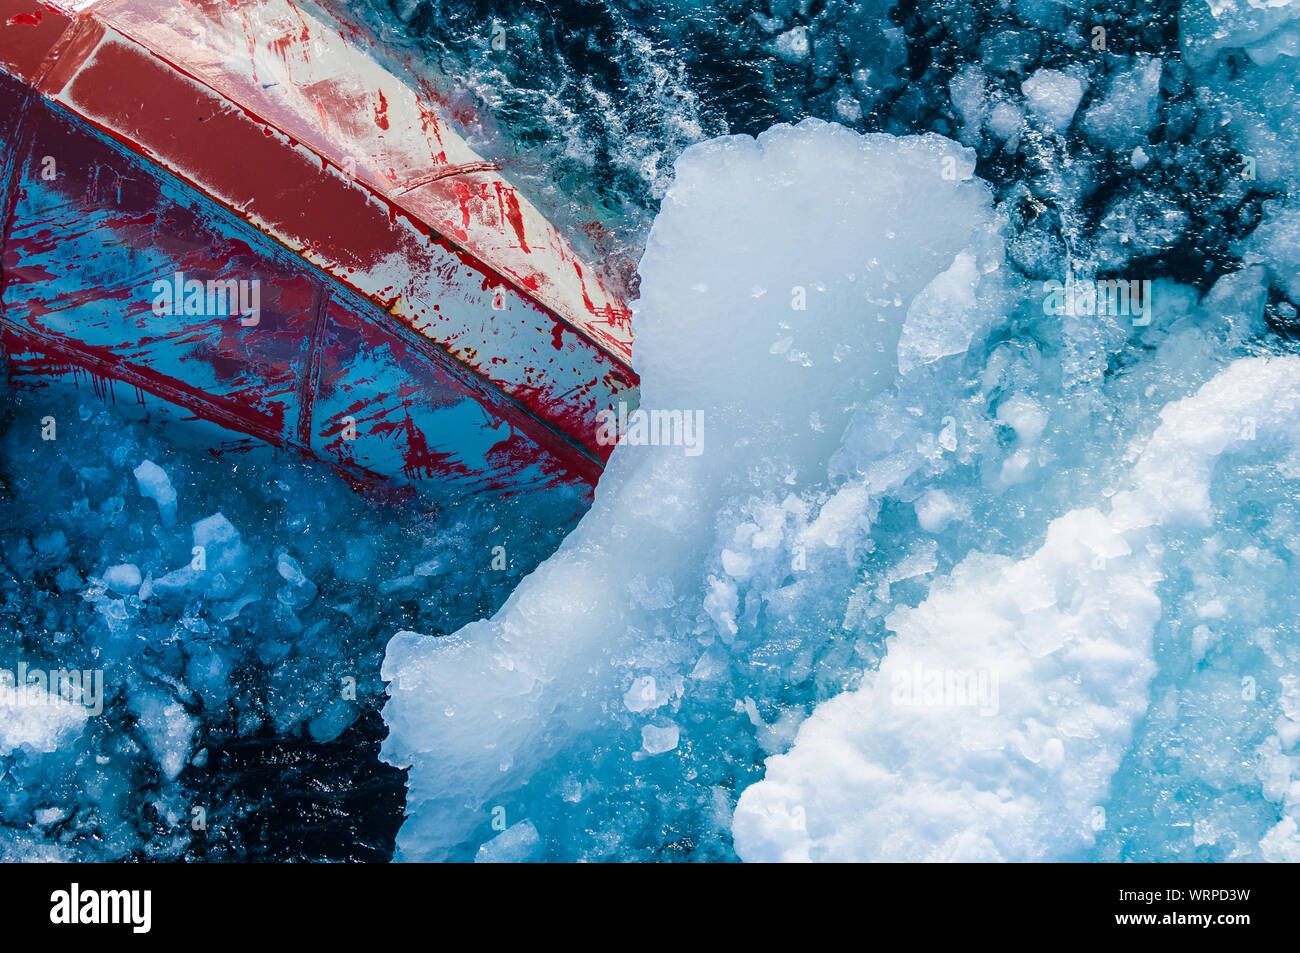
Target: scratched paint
<point>419,318</point>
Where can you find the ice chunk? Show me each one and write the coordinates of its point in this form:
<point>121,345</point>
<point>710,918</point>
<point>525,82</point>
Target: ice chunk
<point>218,564</point>
<point>1129,109</point>
<point>1277,242</point>
<point>656,739</point>
<point>793,45</point>
<point>847,231</point>
<point>1140,224</point>
<point>123,579</point>
<point>646,694</point>
<point>217,541</point>
<point>46,816</point>
<point>935,510</point>
<point>847,108</point>
<point>945,316</point>
<point>1207,26</point>
<point>36,720</point>
<point>1010,51</point>
<point>168,729</point>
<point>516,844</point>
<point>157,486</point>
<point>1254,98</point>
<point>1025,415</point>
<point>1053,96</point>
<point>1005,121</point>
<point>967,90</point>
<point>300,590</point>
<point>333,721</point>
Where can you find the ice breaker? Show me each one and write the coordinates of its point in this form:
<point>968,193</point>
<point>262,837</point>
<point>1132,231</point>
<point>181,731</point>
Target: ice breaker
<point>228,213</point>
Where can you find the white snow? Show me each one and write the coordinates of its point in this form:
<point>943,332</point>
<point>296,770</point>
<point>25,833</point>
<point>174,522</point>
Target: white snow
<point>36,720</point>
<point>1068,632</point>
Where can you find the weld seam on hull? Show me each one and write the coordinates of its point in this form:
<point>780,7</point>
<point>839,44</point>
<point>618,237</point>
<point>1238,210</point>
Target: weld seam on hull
<point>168,389</point>
<point>311,374</point>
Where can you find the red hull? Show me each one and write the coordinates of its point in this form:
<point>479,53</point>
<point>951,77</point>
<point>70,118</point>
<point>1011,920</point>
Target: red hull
<point>416,317</point>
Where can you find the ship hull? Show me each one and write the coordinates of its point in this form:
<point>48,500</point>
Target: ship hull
<point>192,247</point>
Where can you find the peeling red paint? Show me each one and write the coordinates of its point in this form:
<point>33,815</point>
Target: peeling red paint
<point>405,218</point>
<point>514,216</point>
